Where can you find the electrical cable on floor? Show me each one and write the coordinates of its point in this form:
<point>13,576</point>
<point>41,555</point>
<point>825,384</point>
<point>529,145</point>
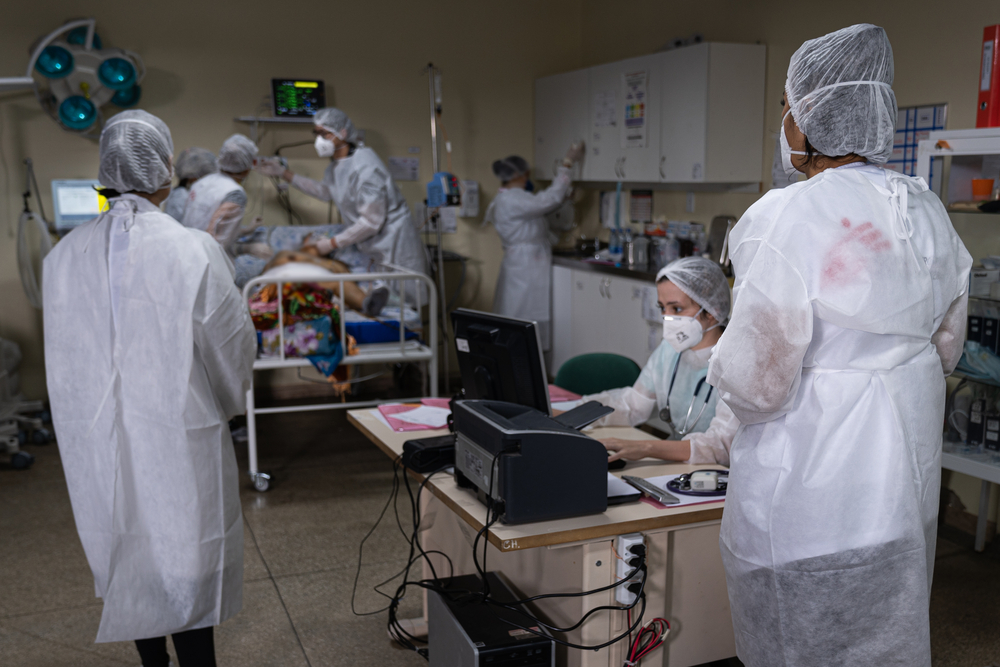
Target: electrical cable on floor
<point>277,590</point>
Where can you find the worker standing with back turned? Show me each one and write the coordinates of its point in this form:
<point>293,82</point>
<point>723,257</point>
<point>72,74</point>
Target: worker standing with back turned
<point>149,350</point>
<point>849,311</point>
<point>377,216</point>
<point>524,286</point>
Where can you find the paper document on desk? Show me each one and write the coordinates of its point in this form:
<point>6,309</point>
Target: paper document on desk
<point>616,487</point>
<point>425,415</point>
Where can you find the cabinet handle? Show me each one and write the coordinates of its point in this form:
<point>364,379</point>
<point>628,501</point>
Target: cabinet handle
<point>623,167</point>
<point>618,164</point>
<point>600,288</point>
<point>663,158</point>
<point>608,290</point>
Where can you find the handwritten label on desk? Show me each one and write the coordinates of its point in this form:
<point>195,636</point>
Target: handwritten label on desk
<point>510,545</point>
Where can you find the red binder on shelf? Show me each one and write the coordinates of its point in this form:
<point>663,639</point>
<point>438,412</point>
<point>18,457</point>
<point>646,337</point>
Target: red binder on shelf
<point>988,109</point>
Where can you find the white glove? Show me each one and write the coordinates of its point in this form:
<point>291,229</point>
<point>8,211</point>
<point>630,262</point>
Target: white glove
<point>575,152</point>
<point>270,166</point>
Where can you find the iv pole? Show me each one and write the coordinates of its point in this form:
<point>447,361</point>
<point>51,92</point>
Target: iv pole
<point>434,87</point>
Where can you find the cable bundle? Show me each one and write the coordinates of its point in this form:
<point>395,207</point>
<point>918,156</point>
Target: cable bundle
<point>650,638</point>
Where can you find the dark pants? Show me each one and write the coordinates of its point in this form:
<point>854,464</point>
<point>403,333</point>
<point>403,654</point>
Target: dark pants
<point>195,648</point>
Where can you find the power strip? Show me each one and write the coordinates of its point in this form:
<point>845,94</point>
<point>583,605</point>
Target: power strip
<point>626,545</point>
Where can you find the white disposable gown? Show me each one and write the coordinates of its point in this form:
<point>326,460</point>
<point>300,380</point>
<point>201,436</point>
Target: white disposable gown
<point>372,206</point>
<point>711,434</point>
<point>524,286</point>
<point>175,203</point>
<point>148,352</point>
<point>216,204</point>
<point>850,309</point>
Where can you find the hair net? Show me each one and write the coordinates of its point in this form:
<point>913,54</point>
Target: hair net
<point>136,153</point>
<point>839,90</point>
<point>510,167</point>
<point>336,121</point>
<point>237,154</point>
<point>703,281</point>
<point>195,162</point>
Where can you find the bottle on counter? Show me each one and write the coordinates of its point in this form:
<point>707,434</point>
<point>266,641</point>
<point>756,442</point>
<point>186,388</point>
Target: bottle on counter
<point>615,245</point>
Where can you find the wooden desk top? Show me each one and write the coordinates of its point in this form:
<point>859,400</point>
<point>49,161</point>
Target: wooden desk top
<point>617,520</point>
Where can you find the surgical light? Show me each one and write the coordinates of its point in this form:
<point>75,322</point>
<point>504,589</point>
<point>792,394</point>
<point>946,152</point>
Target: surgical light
<point>128,97</point>
<point>78,37</point>
<point>77,112</point>
<point>55,62</point>
<point>116,73</point>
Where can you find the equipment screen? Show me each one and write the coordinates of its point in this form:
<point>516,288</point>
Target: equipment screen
<point>297,97</point>
<point>76,202</point>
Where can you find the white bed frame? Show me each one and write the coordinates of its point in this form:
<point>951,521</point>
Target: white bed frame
<point>370,353</point>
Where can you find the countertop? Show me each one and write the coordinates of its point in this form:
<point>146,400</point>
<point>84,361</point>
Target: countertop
<point>638,272</point>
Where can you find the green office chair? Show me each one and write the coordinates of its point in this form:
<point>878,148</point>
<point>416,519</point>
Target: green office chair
<point>597,372</point>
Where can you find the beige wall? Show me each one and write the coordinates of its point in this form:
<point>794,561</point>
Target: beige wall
<point>211,61</point>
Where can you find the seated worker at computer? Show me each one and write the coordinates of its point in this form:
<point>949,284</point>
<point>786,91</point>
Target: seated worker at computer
<point>695,299</point>
<point>369,303</point>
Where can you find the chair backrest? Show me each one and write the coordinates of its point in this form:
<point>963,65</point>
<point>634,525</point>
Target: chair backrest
<point>597,372</point>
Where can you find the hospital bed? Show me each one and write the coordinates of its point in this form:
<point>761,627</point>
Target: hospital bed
<point>405,348</point>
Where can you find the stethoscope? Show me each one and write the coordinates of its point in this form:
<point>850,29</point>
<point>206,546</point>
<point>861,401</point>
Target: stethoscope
<point>688,424</point>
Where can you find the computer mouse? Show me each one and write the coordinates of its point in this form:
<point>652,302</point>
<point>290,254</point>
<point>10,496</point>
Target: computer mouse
<point>616,465</point>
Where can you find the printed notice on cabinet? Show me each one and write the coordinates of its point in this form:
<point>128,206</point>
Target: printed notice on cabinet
<point>604,109</point>
<point>634,128</point>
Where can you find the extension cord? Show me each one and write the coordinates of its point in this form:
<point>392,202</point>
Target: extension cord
<point>625,545</point>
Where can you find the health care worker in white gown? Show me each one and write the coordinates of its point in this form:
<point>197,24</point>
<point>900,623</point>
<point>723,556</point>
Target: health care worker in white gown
<point>850,310</point>
<point>693,295</point>
<point>148,353</point>
<point>377,217</point>
<point>193,163</point>
<point>218,202</point>
<point>523,288</point>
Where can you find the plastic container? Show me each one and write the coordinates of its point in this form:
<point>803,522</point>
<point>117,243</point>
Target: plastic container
<point>982,189</point>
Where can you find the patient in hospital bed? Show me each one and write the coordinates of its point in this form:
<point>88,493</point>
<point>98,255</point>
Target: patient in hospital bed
<point>307,264</point>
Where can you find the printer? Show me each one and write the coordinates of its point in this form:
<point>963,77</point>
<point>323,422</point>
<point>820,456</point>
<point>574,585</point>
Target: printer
<point>545,468</point>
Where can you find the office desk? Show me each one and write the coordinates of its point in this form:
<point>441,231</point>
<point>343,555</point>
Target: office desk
<point>686,581</point>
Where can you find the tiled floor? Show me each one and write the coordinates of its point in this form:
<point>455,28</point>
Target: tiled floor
<point>301,553</point>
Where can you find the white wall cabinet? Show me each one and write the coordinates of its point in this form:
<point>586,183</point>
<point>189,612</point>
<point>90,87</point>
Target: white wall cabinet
<point>560,120</point>
<point>712,114</point>
<point>703,109</point>
<point>598,312</point>
<point>615,152</point>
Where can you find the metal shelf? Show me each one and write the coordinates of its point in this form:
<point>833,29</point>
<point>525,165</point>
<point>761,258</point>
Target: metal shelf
<point>270,119</point>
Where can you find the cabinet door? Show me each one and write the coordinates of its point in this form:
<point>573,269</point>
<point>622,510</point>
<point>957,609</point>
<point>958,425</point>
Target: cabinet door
<point>735,138</point>
<point>590,312</point>
<point>628,330</point>
<point>562,317</point>
<point>684,114</point>
<point>560,119</point>
<point>624,137</point>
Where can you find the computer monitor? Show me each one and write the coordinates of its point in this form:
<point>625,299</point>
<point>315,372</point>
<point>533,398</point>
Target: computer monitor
<point>75,202</point>
<point>500,359</point>
<point>291,98</point>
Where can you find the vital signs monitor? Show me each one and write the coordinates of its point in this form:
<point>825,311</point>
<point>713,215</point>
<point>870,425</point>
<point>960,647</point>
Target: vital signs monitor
<point>292,98</point>
<point>76,202</point>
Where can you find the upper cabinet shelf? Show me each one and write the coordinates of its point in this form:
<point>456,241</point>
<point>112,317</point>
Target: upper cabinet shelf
<point>693,115</point>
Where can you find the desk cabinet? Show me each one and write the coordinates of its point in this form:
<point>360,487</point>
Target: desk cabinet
<point>597,312</point>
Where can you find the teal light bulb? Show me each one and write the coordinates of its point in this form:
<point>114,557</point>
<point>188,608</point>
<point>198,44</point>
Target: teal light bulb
<point>116,73</point>
<point>54,62</point>
<point>78,37</point>
<point>128,97</point>
<point>77,112</point>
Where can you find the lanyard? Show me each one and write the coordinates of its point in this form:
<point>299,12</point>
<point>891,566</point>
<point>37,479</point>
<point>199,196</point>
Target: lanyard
<point>688,425</point>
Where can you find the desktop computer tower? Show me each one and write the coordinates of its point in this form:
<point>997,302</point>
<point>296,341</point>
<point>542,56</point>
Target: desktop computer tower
<point>466,632</point>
